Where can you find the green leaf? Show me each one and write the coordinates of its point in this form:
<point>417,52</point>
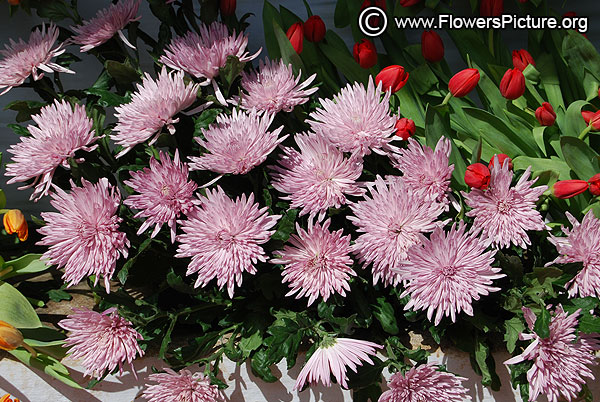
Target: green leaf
<point>124,272</point>
<point>384,312</point>
<point>47,364</point>
<point>2,199</point>
<point>27,264</point>
<point>58,295</point>
<point>270,18</point>
<point>367,374</point>
<point>43,337</point>
<point>15,309</point>
<point>580,157</point>
<point>513,328</point>
<point>485,362</point>
<point>124,74</point>
<point>589,324</point>
<point>166,337</point>
<point>288,54</point>
<point>541,164</point>
<point>345,63</point>
<point>261,367</point>
<point>233,68</point>
<point>542,324</point>
<point>19,130</point>
<point>250,343</point>
<point>205,119</point>
<point>341,16</point>
<point>24,109</point>
<point>56,10</point>
<point>572,123</point>
<point>107,98</point>
<point>285,226</point>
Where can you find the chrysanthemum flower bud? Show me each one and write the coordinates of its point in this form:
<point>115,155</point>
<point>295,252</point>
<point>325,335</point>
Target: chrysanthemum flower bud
<point>569,188</point>
<point>594,182</point>
<point>14,222</point>
<point>501,159</point>
<point>477,176</point>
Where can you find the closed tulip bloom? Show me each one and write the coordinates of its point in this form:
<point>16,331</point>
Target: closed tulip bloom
<point>227,7</point>
<point>408,3</point>
<point>374,21</point>
<point>364,53</point>
<point>512,85</point>
<point>432,46</point>
<point>521,58</point>
<point>405,128</point>
<point>14,222</point>
<point>392,77</point>
<point>463,82</point>
<point>314,29</point>
<point>477,176</point>
<point>592,118</point>
<point>10,337</point>
<point>594,182</point>
<point>14,2</point>
<point>491,8</point>
<point>296,34</point>
<point>502,158</point>
<point>545,114</point>
<point>569,188</point>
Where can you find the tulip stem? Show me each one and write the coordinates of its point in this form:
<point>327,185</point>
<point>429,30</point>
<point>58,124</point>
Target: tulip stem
<point>585,132</point>
<point>30,350</point>
<point>491,41</point>
<point>446,99</point>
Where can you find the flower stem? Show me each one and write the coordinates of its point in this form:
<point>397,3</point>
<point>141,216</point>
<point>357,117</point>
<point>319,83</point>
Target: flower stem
<point>585,132</point>
<point>446,99</point>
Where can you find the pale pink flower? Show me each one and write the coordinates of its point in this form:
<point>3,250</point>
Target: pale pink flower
<point>103,341</point>
<point>106,24</point>
<point>356,120</point>
<point>424,383</point>
<point>22,59</point>
<point>61,131</point>
<point>223,237</point>
<point>447,272</point>
<point>164,193</point>
<point>561,361</point>
<point>180,387</point>
<point>274,88</point>
<point>425,169</point>
<point>334,356</point>
<point>582,244</point>
<point>237,143</point>
<point>317,263</point>
<point>392,220</point>
<point>504,214</point>
<point>84,235</point>
<point>316,178</point>
<point>152,107</point>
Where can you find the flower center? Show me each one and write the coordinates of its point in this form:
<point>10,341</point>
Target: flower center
<point>503,207</point>
<point>318,262</point>
<point>448,270</point>
<point>224,239</point>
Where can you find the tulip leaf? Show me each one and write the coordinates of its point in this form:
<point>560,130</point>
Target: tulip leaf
<point>541,164</point>
<point>572,122</point>
<point>15,309</point>
<point>27,264</point>
<point>271,17</point>
<point>345,63</point>
<point>341,16</point>
<point>288,54</point>
<point>580,157</point>
<point>2,199</point>
<point>580,54</point>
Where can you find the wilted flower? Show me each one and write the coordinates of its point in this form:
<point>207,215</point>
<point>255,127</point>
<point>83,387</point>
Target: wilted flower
<point>102,341</point>
<point>14,222</point>
<point>61,131</point>
<point>182,386</point>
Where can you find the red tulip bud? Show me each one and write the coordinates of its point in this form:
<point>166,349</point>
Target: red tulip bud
<point>405,128</point>
<point>521,58</point>
<point>227,7</point>
<point>502,159</point>
<point>463,82</point>
<point>432,46</point>
<point>392,77</point>
<point>314,29</point>
<point>364,53</point>
<point>595,184</point>
<point>408,3</point>
<point>295,34</point>
<point>569,188</point>
<point>512,84</point>
<point>491,8</point>
<point>545,114</point>
<point>477,176</point>
<point>373,21</point>
<point>592,118</point>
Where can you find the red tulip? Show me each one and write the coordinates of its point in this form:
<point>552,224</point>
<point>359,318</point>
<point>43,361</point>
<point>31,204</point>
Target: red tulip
<point>392,77</point>
<point>477,176</point>
<point>408,3</point>
<point>491,8</point>
<point>502,159</point>
<point>405,128</point>
<point>314,29</point>
<point>432,46</point>
<point>595,184</point>
<point>373,21</point>
<point>592,118</point>
<point>364,53</point>
<point>295,34</point>
<point>463,82</point>
<point>512,84</point>
<point>545,114</point>
<point>569,188</point>
<point>227,7</point>
<point>572,14</point>
<point>521,58</point>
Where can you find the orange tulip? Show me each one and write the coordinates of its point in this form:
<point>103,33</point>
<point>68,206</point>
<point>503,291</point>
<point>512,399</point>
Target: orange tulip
<point>14,222</point>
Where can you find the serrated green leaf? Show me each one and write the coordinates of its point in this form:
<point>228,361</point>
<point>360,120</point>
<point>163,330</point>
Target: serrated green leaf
<point>384,312</point>
<point>261,367</point>
<point>542,324</point>
<point>513,328</point>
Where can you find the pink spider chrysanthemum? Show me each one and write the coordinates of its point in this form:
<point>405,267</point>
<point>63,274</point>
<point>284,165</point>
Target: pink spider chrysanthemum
<point>106,24</point>
<point>582,244</point>
<point>61,131</point>
<point>316,178</point>
<point>334,356</point>
<point>152,107</point>
<point>237,143</point>
<point>102,341</point>
<point>84,235</point>
<point>274,88</point>
<point>356,120</point>
<point>317,263</point>
<point>182,386</point>
<point>446,272</point>
<point>392,220</point>
<point>504,214</point>
<point>164,193</point>
<point>561,361</point>
<point>22,59</point>
<point>424,383</point>
<point>426,169</point>
<point>223,237</point>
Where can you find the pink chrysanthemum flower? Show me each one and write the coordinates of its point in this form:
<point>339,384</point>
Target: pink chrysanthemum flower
<point>180,387</point>
<point>316,178</point>
<point>202,55</point>
<point>164,193</point>
<point>62,130</point>
<point>223,237</point>
<point>502,213</point>
<point>237,143</point>
<point>317,263</point>
<point>392,220</point>
<point>425,169</point>
<point>561,361</point>
<point>274,88</point>
<point>447,272</point>
<point>102,341</point>
<point>106,24</point>
<point>356,120</point>
<point>424,383</point>
<point>333,356</point>
<point>22,59</point>
<point>153,106</point>
<point>84,235</point>
<point>582,244</point>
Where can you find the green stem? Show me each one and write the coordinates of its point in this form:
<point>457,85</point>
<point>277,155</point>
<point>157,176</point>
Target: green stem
<point>446,99</point>
<point>585,132</point>
<point>491,41</point>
